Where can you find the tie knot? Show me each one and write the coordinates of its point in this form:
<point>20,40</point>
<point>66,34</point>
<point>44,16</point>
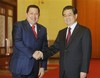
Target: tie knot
<point>69,28</point>
<point>33,26</point>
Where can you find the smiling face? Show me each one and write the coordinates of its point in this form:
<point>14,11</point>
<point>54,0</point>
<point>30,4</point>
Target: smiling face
<point>32,15</point>
<point>69,17</point>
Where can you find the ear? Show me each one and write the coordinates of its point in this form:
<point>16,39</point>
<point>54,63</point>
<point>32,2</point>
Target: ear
<point>76,16</point>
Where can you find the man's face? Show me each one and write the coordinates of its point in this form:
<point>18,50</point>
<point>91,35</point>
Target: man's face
<point>32,15</point>
<point>69,17</point>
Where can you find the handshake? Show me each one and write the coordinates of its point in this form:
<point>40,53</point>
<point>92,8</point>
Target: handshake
<point>38,55</point>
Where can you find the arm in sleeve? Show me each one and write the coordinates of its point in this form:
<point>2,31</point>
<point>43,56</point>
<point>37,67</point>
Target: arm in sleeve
<point>17,36</point>
<point>53,49</point>
<point>44,46</point>
<point>86,50</point>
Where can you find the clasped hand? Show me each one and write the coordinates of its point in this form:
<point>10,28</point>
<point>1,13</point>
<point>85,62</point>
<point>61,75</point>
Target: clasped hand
<point>38,55</point>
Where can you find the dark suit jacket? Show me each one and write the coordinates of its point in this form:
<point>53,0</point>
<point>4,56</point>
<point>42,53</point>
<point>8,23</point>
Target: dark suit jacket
<point>75,56</point>
<point>24,46</point>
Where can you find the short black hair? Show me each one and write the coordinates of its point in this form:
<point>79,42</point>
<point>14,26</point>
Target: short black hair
<point>33,6</point>
<point>70,7</point>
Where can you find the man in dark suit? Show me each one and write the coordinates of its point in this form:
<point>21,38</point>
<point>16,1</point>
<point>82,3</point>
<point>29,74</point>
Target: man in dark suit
<point>74,44</point>
<point>26,40</point>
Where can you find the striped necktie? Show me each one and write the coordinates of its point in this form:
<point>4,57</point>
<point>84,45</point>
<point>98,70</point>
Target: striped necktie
<point>35,34</point>
<point>68,35</point>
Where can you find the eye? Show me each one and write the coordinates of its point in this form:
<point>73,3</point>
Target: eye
<point>36,14</point>
<point>64,15</point>
<point>31,13</point>
<point>70,15</point>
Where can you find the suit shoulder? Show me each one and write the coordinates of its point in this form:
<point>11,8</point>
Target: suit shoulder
<point>83,27</point>
<point>62,30</point>
<point>41,25</point>
<point>19,22</point>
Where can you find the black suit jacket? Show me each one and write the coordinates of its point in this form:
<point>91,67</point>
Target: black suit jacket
<point>75,56</point>
<point>24,45</point>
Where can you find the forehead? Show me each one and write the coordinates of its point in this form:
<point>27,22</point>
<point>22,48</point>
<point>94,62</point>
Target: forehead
<point>68,11</point>
<point>33,10</point>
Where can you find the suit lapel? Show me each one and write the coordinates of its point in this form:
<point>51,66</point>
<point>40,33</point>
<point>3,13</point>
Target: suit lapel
<point>38,30</point>
<point>73,35</point>
<point>64,36</point>
<point>28,28</point>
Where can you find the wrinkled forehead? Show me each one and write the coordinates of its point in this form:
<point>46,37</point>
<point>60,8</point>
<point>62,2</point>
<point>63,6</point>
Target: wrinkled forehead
<point>33,10</point>
<point>68,11</point>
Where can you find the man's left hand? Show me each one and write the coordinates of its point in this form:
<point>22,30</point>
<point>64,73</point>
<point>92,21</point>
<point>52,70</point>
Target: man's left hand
<point>41,72</point>
<point>83,74</point>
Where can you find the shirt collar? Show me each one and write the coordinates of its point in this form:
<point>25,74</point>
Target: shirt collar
<point>35,27</point>
<point>32,25</point>
<point>73,25</point>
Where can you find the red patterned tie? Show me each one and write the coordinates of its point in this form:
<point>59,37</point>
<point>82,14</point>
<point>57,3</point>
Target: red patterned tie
<point>35,34</point>
<point>68,35</point>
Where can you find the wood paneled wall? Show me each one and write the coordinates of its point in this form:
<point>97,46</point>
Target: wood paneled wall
<point>89,15</point>
<point>11,2</point>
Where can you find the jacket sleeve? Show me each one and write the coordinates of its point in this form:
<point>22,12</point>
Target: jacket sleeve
<point>86,50</point>
<point>18,40</point>
<point>44,46</point>
<point>53,49</point>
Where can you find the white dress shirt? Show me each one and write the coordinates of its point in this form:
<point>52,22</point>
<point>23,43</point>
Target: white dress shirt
<point>35,27</point>
<point>72,28</point>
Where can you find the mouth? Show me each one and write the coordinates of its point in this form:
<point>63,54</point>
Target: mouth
<point>33,19</point>
<point>67,21</point>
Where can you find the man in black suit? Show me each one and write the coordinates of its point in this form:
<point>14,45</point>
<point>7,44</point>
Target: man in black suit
<point>28,36</point>
<point>74,44</point>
